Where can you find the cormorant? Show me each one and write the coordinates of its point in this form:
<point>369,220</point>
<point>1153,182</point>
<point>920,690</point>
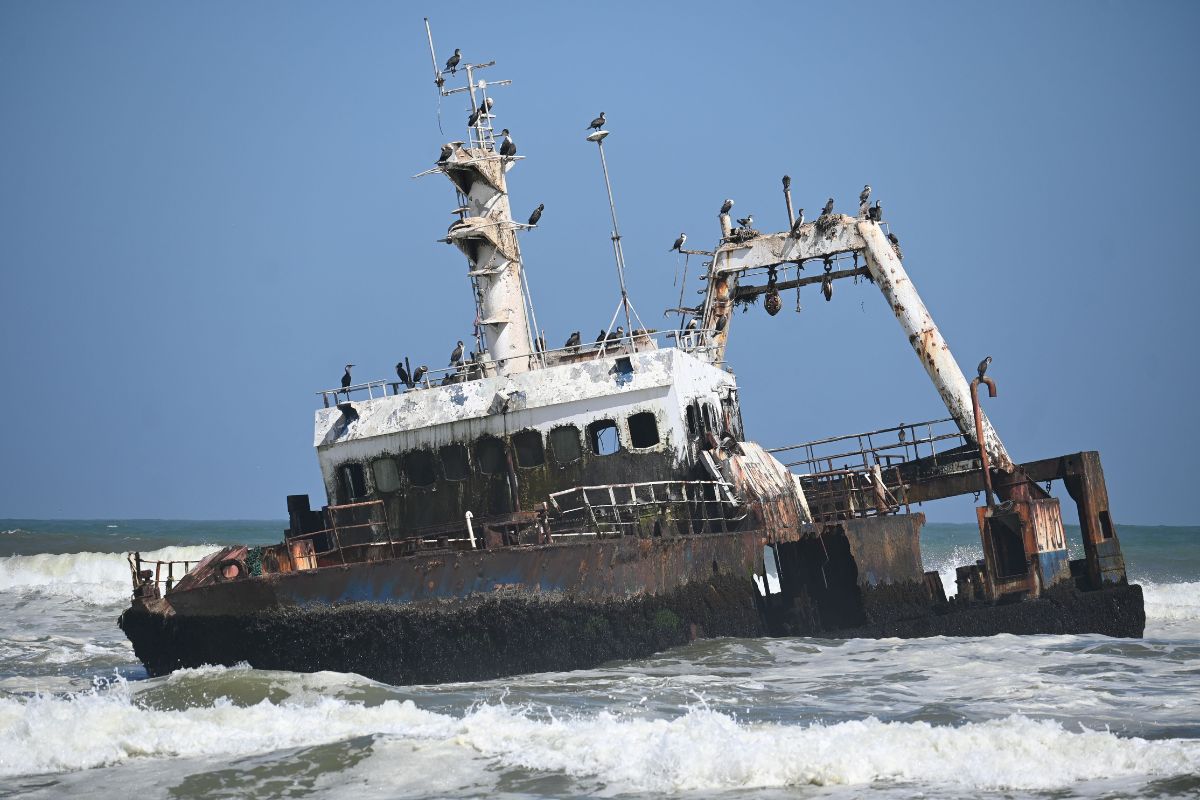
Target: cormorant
<point>444,156</point>
<point>403,375</point>
<point>828,209</point>
<point>346,377</point>
<point>619,333</point>
<point>746,221</point>
<point>572,341</point>
<point>864,194</point>
<point>787,182</point>
<point>484,108</point>
<point>876,212</point>
<point>602,336</point>
<point>728,204</point>
<point>679,242</point>
<point>597,123</point>
<point>692,324</point>
<point>799,221</point>
<point>983,365</point>
<point>419,373</point>
<point>895,240</point>
<point>456,356</point>
<point>537,214</point>
<point>452,61</point>
<point>507,148</point>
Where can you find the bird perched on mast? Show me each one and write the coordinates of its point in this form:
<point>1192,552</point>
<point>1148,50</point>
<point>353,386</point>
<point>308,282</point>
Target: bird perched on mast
<point>477,114</point>
<point>895,240</point>
<point>983,365</point>
<point>865,194</point>
<point>597,123</point>
<point>457,356</point>
<point>728,204</point>
<point>419,373</point>
<point>828,209</point>
<point>746,221</point>
<point>507,148</point>
<point>346,377</point>
<point>403,375</point>
<point>799,221</point>
<point>679,243</point>
<point>876,212</point>
<point>452,61</point>
<point>537,214</point>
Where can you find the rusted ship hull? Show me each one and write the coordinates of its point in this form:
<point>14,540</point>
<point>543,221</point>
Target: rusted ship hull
<point>476,615</point>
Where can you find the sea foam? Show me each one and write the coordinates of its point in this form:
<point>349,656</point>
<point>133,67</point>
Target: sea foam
<point>94,578</point>
<point>699,750</point>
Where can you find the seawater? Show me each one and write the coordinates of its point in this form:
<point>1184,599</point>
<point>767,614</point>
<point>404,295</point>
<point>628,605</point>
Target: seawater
<point>1000,716</point>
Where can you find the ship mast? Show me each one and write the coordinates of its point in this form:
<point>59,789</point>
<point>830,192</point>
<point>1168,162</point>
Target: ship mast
<point>485,231</point>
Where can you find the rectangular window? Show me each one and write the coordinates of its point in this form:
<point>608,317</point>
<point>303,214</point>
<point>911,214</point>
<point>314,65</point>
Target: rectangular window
<point>353,483</point>
<point>528,447</point>
<point>387,477</point>
<point>643,429</point>
<point>564,442</point>
<point>454,462</point>
<point>418,465</point>
<point>489,455</point>
<point>602,437</point>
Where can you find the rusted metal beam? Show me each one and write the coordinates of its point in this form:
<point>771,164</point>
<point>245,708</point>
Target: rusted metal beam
<point>747,292</point>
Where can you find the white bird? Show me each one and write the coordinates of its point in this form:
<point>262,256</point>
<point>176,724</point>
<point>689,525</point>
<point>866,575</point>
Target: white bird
<point>746,221</point>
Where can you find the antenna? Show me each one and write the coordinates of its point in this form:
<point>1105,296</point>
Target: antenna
<point>598,137</point>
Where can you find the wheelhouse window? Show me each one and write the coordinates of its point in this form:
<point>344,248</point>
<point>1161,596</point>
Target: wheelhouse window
<point>643,429</point>
<point>387,476</point>
<point>489,455</point>
<point>454,462</point>
<point>602,437</point>
<point>564,443</point>
<point>693,424</point>
<point>418,466</point>
<point>352,482</point>
<point>528,447</point>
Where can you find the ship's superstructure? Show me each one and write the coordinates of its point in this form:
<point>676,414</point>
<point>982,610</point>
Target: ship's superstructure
<point>533,508</point>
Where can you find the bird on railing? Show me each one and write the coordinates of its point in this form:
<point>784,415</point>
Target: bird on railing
<point>477,114</point>
<point>537,214</point>
<point>679,243</point>
<point>457,356</point>
<point>603,335</point>
<point>616,335</point>
<point>572,342</point>
<point>597,123</point>
<point>983,365</point>
<point>403,375</point>
<point>507,148</point>
<point>346,377</point>
<point>419,373</point>
<point>452,61</point>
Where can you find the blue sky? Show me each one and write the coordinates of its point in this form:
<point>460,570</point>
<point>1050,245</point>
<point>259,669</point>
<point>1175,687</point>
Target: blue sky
<point>206,210</point>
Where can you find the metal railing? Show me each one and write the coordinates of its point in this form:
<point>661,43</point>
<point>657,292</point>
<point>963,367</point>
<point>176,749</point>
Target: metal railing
<point>689,340</point>
<point>139,565</point>
<point>622,509</point>
<point>864,474</point>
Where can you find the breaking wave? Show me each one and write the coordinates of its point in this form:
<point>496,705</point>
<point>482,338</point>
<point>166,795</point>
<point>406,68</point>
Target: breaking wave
<point>1172,601</point>
<point>93,578</point>
<point>701,750</point>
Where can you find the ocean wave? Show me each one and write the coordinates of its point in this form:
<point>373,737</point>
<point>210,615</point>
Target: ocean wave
<point>93,578</point>
<point>1172,601</point>
<point>700,750</point>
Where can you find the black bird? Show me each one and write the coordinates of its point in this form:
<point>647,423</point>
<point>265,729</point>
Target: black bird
<point>619,333</point>
<point>507,148</point>
<point>895,240</point>
<point>477,114</point>
<point>746,221</point>
<point>679,242</point>
<point>864,194</point>
<point>452,61</point>
<point>876,212</point>
<point>456,356</point>
<point>692,323</point>
<point>537,214</point>
<point>828,209</point>
<point>572,342</point>
<point>597,123</point>
<point>346,377</point>
<point>444,156</point>
<point>799,221</point>
<point>983,365</point>
<point>728,204</point>
<point>601,337</point>
<point>419,373</point>
<point>403,375</point>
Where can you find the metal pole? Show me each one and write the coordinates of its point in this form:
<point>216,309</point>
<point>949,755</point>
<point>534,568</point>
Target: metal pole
<point>616,238</point>
<point>983,455</point>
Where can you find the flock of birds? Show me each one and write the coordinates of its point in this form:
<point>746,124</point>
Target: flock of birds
<point>508,149</point>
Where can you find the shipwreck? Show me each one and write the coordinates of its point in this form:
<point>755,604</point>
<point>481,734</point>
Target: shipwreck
<point>532,509</point>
